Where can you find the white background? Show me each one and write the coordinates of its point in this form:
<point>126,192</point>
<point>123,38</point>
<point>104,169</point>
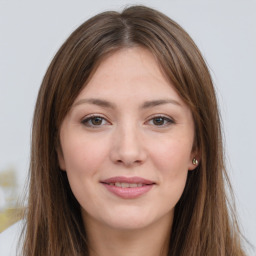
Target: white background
<point>225,31</point>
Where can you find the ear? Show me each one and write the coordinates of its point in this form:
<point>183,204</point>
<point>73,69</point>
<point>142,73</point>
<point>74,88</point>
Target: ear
<point>61,159</point>
<point>194,161</point>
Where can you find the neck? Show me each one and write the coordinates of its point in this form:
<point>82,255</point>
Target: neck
<point>152,240</point>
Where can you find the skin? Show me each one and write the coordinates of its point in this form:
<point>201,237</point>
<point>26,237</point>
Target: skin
<point>128,137</point>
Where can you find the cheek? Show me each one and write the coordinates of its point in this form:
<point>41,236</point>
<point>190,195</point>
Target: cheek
<point>81,152</point>
<point>82,156</point>
<point>171,160</point>
<point>172,156</point>
<point>83,159</point>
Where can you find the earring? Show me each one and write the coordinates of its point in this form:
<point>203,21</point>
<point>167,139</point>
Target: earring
<point>195,161</point>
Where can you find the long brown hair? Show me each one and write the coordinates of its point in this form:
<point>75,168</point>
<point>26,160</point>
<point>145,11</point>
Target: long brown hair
<point>204,223</point>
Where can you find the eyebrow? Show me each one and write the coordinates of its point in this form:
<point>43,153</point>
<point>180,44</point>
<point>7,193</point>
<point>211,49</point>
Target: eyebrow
<point>153,103</point>
<point>107,104</point>
<point>98,102</point>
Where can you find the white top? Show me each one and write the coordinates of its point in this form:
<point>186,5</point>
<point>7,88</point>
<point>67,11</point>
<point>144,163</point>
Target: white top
<point>9,239</point>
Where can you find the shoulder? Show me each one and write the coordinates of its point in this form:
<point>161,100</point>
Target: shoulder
<point>9,239</point>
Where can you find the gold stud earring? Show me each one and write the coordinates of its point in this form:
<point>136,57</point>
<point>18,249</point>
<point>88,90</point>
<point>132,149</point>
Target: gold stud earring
<point>195,161</point>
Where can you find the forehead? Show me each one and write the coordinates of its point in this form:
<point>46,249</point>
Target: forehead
<point>130,71</point>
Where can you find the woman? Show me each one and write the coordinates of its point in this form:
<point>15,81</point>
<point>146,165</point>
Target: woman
<point>127,154</point>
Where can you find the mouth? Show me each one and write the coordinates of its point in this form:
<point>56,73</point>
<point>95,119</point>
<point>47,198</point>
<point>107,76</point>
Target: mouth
<point>128,188</point>
<point>126,185</point>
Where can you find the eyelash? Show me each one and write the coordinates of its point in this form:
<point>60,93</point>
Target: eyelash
<point>167,120</point>
<point>88,121</point>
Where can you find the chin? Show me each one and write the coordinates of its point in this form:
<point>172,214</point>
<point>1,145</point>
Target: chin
<point>134,220</point>
<point>128,224</point>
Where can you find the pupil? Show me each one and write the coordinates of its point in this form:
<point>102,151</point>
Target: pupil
<point>158,121</point>
<point>96,120</point>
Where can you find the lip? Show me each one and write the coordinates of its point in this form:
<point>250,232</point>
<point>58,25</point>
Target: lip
<point>128,192</point>
<point>123,179</point>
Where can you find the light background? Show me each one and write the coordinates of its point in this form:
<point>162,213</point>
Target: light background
<point>225,31</point>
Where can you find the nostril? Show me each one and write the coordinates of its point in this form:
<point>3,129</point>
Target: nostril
<point>129,162</point>
<point>127,153</point>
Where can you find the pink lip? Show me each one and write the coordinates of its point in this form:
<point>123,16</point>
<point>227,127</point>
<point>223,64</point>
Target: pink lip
<point>122,179</point>
<point>128,193</point>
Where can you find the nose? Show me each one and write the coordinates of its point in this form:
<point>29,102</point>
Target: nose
<point>128,147</point>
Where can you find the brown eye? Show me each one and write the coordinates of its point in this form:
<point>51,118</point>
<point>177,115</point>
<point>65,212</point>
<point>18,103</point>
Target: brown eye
<point>158,120</point>
<point>94,121</point>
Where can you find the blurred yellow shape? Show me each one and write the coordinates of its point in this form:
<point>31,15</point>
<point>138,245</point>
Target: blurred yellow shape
<point>8,178</point>
<point>9,217</point>
<point>9,212</point>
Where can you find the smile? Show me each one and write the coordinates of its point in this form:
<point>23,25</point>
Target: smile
<point>128,188</point>
<point>126,185</point>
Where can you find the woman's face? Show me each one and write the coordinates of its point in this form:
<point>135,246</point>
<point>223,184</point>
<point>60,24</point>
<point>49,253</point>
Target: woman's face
<point>127,143</point>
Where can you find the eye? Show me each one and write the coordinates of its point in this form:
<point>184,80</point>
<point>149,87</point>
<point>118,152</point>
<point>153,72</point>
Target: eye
<point>160,121</point>
<point>94,121</point>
